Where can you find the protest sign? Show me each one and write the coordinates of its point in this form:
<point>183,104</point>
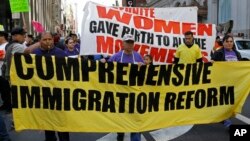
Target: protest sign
<point>19,6</point>
<point>50,93</point>
<point>104,27</point>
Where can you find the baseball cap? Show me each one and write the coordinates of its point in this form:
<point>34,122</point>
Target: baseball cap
<point>128,37</point>
<point>18,30</point>
<point>3,33</point>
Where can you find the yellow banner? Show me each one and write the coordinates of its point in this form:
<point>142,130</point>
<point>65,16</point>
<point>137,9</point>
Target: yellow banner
<point>69,94</point>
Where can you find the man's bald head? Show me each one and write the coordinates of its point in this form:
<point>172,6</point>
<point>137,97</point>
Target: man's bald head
<point>47,41</point>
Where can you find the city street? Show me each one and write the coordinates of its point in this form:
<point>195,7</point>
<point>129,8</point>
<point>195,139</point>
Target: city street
<point>206,132</point>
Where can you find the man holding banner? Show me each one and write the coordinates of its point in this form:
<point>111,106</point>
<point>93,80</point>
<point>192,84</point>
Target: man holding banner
<point>189,52</point>
<point>47,49</point>
<point>128,55</point>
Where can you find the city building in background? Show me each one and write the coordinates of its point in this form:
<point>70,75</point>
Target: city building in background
<point>135,3</point>
<point>69,17</point>
<point>231,13</point>
<point>5,15</point>
<point>47,12</point>
<point>56,16</point>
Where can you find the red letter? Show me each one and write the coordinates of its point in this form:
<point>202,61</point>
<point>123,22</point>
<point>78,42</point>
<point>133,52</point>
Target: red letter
<point>171,27</point>
<point>152,12</point>
<point>158,53</point>
<point>102,13</point>
<point>118,45</point>
<point>105,46</point>
<point>188,27</point>
<point>170,57</point>
<point>144,50</point>
<point>143,22</point>
<point>136,11</point>
<point>202,28</point>
<point>205,55</point>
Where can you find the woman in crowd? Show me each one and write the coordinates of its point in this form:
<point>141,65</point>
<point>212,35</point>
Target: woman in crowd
<point>227,53</point>
<point>70,49</point>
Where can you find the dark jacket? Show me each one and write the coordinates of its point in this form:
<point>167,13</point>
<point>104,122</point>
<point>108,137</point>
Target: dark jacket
<point>71,53</point>
<point>53,51</point>
<point>219,55</point>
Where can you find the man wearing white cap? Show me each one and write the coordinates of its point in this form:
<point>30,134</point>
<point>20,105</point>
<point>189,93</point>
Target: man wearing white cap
<point>128,55</point>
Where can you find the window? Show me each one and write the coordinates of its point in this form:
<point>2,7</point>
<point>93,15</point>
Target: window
<point>243,45</point>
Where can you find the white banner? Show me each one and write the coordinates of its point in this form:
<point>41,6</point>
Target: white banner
<point>103,29</point>
<point>184,14</point>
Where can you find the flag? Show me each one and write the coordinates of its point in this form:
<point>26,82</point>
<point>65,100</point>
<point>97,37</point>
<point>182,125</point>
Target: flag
<point>38,26</point>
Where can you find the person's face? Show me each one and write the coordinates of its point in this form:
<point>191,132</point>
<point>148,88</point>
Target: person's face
<point>228,44</point>
<point>189,39</point>
<point>46,41</point>
<point>147,60</point>
<point>128,46</point>
<point>19,38</point>
<point>71,44</point>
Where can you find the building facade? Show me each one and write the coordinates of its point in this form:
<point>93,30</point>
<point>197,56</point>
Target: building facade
<point>5,15</point>
<point>47,12</point>
<point>222,11</point>
<point>136,3</point>
<point>69,17</point>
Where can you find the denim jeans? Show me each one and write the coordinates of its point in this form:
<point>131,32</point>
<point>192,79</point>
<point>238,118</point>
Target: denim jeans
<point>135,136</point>
<point>4,136</point>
